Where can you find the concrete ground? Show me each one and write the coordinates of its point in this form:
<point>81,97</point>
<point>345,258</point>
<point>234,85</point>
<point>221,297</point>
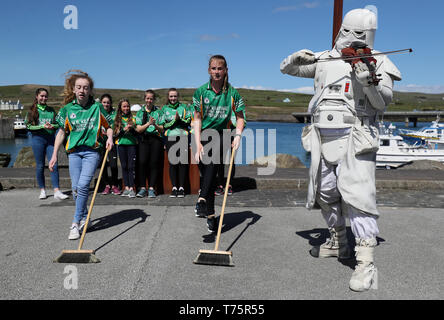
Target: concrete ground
<point>147,249</point>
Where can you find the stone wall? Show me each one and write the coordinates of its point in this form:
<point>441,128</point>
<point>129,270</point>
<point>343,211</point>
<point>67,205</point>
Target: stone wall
<point>25,158</point>
<point>6,128</point>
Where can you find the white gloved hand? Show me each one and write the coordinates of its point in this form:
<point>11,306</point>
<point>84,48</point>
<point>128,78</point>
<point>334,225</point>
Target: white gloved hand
<point>302,57</point>
<point>362,73</point>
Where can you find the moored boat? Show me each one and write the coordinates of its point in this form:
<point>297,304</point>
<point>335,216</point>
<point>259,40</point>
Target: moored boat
<point>394,151</point>
<point>19,127</point>
<point>432,132</point>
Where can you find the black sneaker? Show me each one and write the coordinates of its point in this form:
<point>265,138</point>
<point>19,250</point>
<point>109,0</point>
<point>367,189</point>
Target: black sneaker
<point>211,224</point>
<point>173,193</point>
<point>230,191</point>
<point>201,209</point>
<point>181,193</point>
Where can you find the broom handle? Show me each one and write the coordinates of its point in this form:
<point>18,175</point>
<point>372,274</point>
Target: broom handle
<point>92,201</point>
<point>233,152</point>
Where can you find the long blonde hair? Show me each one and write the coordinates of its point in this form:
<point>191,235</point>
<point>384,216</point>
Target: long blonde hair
<point>70,80</point>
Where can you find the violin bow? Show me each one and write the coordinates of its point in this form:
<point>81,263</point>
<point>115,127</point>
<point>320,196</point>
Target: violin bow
<point>365,55</point>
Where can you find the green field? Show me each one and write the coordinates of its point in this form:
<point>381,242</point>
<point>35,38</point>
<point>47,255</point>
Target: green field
<point>259,102</point>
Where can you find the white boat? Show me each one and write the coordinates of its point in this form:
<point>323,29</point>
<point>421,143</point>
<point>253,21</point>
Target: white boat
<point>433,132</point>
<point>394,151</point>
<point>435,144</point>
<point>19,126</point>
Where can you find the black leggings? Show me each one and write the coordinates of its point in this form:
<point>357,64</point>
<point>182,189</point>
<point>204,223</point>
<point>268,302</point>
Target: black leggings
<point>150,155</point>
<point>112,164</point>
<point>208,180</point>
<point>127,155</point>
<point>220,172</point>
<point>178,161</point>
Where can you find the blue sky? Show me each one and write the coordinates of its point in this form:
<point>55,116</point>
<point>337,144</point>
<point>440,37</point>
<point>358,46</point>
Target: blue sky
<point>138,44</point>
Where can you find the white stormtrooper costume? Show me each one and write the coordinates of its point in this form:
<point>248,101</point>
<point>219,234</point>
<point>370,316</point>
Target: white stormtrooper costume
<point>343,140</point>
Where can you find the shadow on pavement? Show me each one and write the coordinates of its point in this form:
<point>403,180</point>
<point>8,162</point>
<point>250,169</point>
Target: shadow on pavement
<point>116,219</point>
<point>318,236</point>
<point>232,220</point>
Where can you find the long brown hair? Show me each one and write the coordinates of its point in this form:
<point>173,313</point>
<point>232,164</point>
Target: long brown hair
<point>33,114</point>
<point>70,80</point>
<point>220,57</point>
<point>118,119</point>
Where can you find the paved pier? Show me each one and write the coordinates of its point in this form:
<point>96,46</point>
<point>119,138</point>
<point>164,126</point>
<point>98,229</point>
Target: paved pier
<point>146,247</point>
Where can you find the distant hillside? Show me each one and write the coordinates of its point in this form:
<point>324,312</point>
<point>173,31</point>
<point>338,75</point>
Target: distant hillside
<point>260,103</point>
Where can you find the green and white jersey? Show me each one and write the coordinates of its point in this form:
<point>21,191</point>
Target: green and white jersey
<point>156,113</point>
<point>110,116</point>
<point>172,126</point>
<point>84,124</point>
<point>47,114</point>
<point>216,109</point>
<point>127,138</point>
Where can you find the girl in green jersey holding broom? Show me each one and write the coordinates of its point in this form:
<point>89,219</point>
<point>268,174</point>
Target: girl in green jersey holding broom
<point>214,103</point>
<point>83,119</point>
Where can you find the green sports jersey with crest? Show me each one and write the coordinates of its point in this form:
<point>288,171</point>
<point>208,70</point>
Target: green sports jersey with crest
<point>129,137</point>
<point>110,116</point>
<point>216,109</point>
<point>172,126</point>
<point>47,114</point>
<point>156,113</point>
<point>84,124</point>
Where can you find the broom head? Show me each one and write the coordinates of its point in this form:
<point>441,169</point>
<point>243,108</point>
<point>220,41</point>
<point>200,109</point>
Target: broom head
<point>216,258</point>
<point>77,256</point>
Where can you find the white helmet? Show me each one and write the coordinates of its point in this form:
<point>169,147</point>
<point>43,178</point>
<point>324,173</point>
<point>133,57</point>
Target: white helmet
<point>358,25</point>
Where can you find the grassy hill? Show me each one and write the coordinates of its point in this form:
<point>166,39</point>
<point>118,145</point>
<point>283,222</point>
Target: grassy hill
<point>260,103</point>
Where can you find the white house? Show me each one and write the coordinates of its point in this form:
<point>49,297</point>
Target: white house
<point>9,105</point>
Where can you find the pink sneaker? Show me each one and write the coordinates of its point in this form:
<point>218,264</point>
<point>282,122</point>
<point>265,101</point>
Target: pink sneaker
<point>106,190</point>
<point>115,190</point>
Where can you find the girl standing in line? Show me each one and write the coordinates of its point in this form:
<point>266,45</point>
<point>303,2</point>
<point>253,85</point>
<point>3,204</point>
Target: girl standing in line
<point>111,184</point>
<point>83,119</point>
<point>214,103</point>
<point>150,144</point>
<point>40,121</point>
<point>176,122</point>
<point>126,141</point>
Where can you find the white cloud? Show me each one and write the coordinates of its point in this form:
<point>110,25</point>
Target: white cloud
<point>209,37</point>
<point>420,88</point>
<point>305,90</point>
<point>305,5</point>
<point>256,88</point>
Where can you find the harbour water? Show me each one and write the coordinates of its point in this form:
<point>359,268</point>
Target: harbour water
<point>288,140</point>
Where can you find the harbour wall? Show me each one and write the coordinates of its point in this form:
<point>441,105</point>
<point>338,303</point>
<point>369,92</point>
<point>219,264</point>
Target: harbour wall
<point>6,128</point>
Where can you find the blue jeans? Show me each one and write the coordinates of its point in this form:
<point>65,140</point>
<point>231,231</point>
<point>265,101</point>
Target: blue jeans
<point>82,167</point>
<point>43,145</point>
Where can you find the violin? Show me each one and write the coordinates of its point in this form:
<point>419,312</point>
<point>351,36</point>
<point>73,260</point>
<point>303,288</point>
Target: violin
<point>357,49</point>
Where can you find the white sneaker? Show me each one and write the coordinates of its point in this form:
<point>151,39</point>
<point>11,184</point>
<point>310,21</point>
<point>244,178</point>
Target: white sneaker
<point>60,195</point>
<point>82,225</point>
<point>42,194</point>
<point>74,233</point>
